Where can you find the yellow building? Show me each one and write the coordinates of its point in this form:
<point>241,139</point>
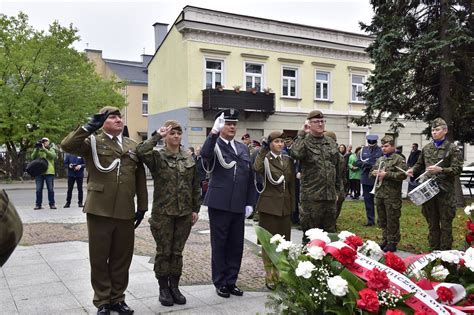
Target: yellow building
<point>134,73</point>
<point>207,53</point>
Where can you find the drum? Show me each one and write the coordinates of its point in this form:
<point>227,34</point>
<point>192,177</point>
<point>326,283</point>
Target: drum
<point>424,192</point>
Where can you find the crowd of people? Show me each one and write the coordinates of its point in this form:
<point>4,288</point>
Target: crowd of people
<point>303,180</point>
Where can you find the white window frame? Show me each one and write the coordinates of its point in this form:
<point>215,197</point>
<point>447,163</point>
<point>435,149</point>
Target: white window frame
<point>296,69</point>
<point>316,98</point>
<point>143,103</point>
<point>222,71</point>
<point>261,76</point>
<point>358,99</point>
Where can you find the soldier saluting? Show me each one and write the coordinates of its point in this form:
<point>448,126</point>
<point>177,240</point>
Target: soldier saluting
<point>440,210</point>
<point>116,175</point>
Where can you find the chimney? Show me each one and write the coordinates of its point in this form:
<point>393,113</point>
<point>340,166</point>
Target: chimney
<point>160,32</point>
<point>146,59</point>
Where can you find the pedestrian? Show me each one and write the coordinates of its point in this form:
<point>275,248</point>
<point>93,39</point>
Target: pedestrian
<point>230,199</point>
<point>44,150</point>
<point>341,194</point>
<point>412,158</point>
<point>75,174</point>
<point>190,152</point>
<point>348,154</point>
<point>388,193</point>
<point>176,203</point>
<point>440,210</point>
<point>367,158</point>
<point>399,151</point>
<point>115,176</point>
<point>277,197</point>
<point>354,174</point>
<point>248,142</point>
<point>320,178</point>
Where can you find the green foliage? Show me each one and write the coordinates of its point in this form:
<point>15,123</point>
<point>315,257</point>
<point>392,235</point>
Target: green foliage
<point>422,51</point>
<point>46,86</point>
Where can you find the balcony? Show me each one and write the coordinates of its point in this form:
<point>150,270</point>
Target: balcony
<point>215,99</point>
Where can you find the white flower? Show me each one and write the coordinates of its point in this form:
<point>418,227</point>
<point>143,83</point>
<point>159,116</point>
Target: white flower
<point>318,234</point>
<point>344,234</point>
<point>451,256</point>
<point>316,252</point>
<point>439,272</point>
<point>304,269</point>
<point>469,209</point>
<point>469,258</point>
<point>283,245</point>
<point>372,250</point>
<point>338,286</point>
<point>277,238</point>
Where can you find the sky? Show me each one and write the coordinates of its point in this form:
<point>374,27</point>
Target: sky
<point>123,29</point>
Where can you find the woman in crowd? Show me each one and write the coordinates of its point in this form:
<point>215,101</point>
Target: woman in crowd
<point>354,174</point>
<point>176,202</point>
<point>277,197</point>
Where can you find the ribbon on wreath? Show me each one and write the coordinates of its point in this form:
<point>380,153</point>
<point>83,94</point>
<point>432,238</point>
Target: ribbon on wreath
<point>420,301</point>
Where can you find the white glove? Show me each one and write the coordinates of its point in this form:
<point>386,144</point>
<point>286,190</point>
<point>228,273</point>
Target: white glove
<point>218,124</point>
<point>248,211</point>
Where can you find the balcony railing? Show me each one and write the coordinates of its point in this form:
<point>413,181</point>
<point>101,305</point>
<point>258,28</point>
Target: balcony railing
<point>215,99</point>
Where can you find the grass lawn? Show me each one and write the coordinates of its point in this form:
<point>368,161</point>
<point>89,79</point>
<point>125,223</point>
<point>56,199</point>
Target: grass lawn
<point>413,226</point>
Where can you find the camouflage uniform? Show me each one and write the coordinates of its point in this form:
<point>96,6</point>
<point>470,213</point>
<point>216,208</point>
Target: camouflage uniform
<point>388,196</point>
<point>440,210</point>
<point>176,195</point>
<point>341,193</point>
<point>320,180</point>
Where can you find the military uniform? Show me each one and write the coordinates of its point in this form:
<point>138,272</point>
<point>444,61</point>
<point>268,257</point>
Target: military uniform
<point>388,196</point>
<point>342,168</point>
<point>11,228</point>
<point>320,180</point>
<point>110,209</point>
<point>440,210</point>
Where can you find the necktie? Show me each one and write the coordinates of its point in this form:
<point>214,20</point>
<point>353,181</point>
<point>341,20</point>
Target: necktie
<point>230,146</point>
<point>116,140</point>
<point>280,160</point>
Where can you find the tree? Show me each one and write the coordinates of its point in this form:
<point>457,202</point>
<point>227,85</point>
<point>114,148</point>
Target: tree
<point>46,87</point>
<point>422,51</point>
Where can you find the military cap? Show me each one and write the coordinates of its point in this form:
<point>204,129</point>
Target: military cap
<point>438,122</point>
<point>111,109</point>
<point>387,139</point>
<point>331,134</point>
<point>245,136</point>
<point>315,114</point>
<point>175,125</point>
<point>274,135</point>
<point>256,143</point>
<point>229,114</point>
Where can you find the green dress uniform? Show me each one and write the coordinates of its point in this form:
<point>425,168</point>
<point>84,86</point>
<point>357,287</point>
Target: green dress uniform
<point>110,209</point>
<point>388,197</point>
<point>440,210</point>
<point>11,228</point>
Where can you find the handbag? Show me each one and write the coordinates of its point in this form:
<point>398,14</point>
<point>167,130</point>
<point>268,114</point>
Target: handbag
<point>37,167</point>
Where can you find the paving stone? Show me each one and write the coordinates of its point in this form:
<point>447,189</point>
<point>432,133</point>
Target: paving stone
<point>14,270</point>
<point>154,304</point>
<point>78,285</point>
<point>38,290</point>
<point>143,290</point>
<point>49,305</point>
<point>31,279</point>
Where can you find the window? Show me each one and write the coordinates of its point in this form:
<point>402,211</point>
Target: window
<point>357,86</point>
<point>214,73</point>
<point>253,76</point>
<point>289,82</point>
<point>145,104</point>
<point>322,85</point>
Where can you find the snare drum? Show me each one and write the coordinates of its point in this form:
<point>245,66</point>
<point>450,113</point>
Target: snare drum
<point>424,192</point>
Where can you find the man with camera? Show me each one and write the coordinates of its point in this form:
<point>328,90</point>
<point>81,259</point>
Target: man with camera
<point>75,174</point>
<point>43,150</point>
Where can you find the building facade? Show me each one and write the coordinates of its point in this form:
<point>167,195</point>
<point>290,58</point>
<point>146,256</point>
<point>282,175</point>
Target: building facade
<point>134,74</point>
<point>273,72</point>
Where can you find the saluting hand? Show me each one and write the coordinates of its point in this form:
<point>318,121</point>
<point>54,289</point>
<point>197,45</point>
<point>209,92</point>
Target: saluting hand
<point>306,126</point>
<point>218,124</point>
<point>164,131</point>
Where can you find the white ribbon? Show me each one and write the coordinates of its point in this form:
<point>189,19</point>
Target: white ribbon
<point>268,175</point>
<point>222,162</point>
<point>115,163</point>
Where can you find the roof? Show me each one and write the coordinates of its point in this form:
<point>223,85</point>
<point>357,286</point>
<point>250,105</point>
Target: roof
<point>131,71</point>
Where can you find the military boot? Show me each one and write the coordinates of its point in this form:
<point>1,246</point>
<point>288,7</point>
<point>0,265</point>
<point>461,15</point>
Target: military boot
<point>178,298</point>
<point>165,295</point>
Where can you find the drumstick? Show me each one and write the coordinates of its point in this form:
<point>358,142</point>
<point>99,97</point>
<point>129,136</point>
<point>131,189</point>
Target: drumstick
<point>426,172</point>
<point>401,169</point>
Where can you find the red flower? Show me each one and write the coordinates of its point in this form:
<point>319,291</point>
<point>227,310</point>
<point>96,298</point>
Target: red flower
<point>469,300</point>
<point>395,262</point>
<point>368,300</point>
<point>469,238</point>
<point>394,312</point>
<point>470,225</point>
<point>354,241</point>
<point>377,280</point>
<point>346,256</point>
<point>445,294</point>
<point>420,313</point>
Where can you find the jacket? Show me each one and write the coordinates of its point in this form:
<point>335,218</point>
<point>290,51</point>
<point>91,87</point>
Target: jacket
<point>48,154</point>
<point>74,160</point>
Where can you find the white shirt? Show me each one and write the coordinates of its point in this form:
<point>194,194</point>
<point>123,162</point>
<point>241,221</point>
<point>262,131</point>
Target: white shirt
<point>232,144</point>
<point>277,156</point>
<point>119,139</point>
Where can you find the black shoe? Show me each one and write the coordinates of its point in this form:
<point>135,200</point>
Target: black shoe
<point>67,205</point>
<point>223,292</point>
<point>104,309</point>
<point>234,290</point>
<point>390,248</point>
<point>37,208</point>
<point>165,298</point>
<point>121,308</point>
<point>52,207</point>
<point>383,244</point>
<point>80,205</point>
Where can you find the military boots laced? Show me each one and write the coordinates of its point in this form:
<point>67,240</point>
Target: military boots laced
<point>165,294</point>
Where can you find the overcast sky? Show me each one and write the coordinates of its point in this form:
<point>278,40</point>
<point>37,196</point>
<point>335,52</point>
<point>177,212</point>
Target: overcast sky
<point>123,29</point>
